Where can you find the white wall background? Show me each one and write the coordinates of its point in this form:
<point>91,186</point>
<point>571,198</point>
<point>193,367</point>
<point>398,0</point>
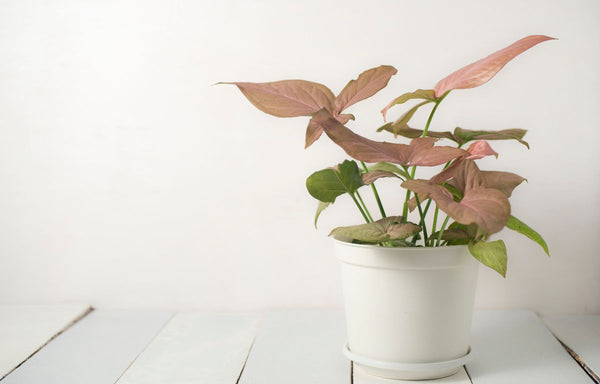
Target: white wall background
<point>127,180</point>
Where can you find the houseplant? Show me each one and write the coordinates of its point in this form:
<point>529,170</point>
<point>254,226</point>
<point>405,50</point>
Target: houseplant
<point>409,285</point>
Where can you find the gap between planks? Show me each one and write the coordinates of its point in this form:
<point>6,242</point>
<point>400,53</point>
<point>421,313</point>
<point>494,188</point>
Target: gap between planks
<point>580,361</point>
<point>60,332</point>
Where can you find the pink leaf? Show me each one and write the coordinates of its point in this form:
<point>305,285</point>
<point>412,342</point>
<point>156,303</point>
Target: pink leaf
<point>464,174</point>
<point>366,85</point>
<point>480,72</point>
<point>370,177</point>
<point>314,131</point>
<point>488,208</point>
<point>421,151</point>
<point>480,149</point>
<point>287,98</point>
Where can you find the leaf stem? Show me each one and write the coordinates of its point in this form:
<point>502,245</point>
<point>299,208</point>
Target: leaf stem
<point>414,168</point>
<point>439,238</point>
<point>359,207</point>
<point>375,192</point>
<point>435,217</point>
<point>422,220</point>
<point>364,207</point>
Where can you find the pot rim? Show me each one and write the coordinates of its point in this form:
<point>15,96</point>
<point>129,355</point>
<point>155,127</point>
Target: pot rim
<point>404,258</point>
<point>404,249</point>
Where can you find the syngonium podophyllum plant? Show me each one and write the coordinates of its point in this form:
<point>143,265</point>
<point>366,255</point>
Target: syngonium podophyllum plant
<point>475,202</point>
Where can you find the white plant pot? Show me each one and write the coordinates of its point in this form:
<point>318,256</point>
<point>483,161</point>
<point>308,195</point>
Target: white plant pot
<point>408,310</point>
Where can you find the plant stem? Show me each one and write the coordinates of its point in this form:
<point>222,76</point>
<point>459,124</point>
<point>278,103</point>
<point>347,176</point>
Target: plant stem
<point>422,220</point>
<point>375,192</point>
<point>364,206</point>
<point>439,238</point>
<point>435,216</point>
<point>359,207</point>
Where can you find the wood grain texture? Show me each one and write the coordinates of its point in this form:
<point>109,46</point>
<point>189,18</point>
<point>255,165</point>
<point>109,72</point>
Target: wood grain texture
<point>360,377</point>
<point>516,347</point>
<point>581,334</point>
<point>196,347</point>
<point>96,350</point>
<point>24,329</point>
<point>299,347</point>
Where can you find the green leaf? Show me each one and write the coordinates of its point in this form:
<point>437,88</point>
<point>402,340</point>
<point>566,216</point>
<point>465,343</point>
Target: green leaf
<point>466,135</point>
<point>320,208</point>
<point>401,122</point>
<point>327,184</point>
<point>389,228</point>
<point>491,254</point>
<point>519,226</point>
<point>388,167</point>
<point>458,234</point>
<point>425,94</point>
<point>412,133</point>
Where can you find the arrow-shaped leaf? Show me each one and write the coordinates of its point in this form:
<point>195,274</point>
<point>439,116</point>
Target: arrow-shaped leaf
<point>463,171</point>
<point>488,208</point>
<point>366,85</point>
<point>421,151</point>
<point>287,98</point>
<point>466,135</point>
<point>519,226</point>
<point>387,167</point>
<point>370,177</point>
<point>403,120</point>
<point>480,149</point>
<point>389,228</point>
<point>412,133</point>
<point>480,72</point>
<point>327,184</point>
<point>491,254</point>
<point>424,94</point>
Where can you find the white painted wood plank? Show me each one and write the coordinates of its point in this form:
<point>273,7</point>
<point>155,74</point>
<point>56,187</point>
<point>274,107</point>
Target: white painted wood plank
<point>361,377</point>
<point>196,347</point>
<point>299,347</point>
<point>516,347</point>
<point>24,329</point>
<point>96,350</point>
<point>581,334</point>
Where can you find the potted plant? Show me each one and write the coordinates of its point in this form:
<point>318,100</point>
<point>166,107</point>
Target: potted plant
<point>409,286</point>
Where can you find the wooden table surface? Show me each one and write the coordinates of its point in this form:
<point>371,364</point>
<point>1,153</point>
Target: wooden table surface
<point>75,344</point>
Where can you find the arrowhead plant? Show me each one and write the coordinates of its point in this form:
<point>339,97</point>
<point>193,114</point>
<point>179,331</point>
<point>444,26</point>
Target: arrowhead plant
<point>475,202</point>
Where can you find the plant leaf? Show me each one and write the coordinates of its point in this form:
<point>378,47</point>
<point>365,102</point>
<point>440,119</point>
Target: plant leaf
<point>491,254</point>
<point>421,151</point>
<point>370,177</point>
<point>314,131</point>
<point>320,208</point>
<point>488,208</point>
<point>481,71</point>
<point>480,149</point>
<point>403,120</point>
<point>425,94</point>
<point>466,135</point>
<point>502,181</point>
<point>412,133</point>
<point>519,226</point>
<point>366,85</point>
<point>464,171</point>
<point>287,98</point>
<point>387,167</point>
<point>389,228</point>
<point>344,117</point>
<point>327,184</point>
